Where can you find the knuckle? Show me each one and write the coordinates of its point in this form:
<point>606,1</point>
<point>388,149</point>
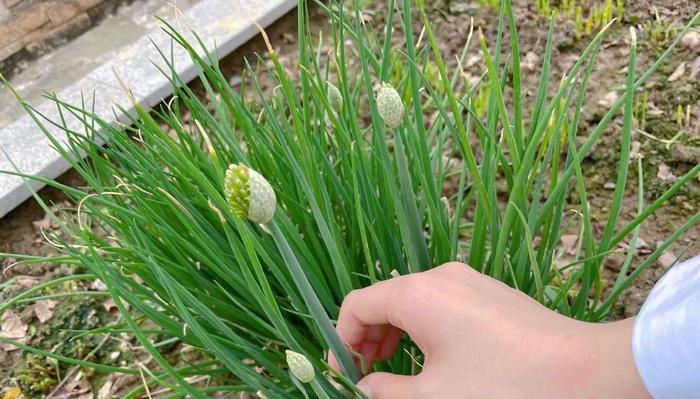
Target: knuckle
<point>352,297</point>
<point>457,271</point>
<point>455,267</point>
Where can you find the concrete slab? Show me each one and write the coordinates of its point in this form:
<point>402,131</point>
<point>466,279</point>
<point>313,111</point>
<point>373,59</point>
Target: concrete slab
<point>223,25</point>
<point>66,65</point>
<point>31,151</point>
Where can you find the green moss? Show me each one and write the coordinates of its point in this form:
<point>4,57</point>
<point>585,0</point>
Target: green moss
<point>661,128</point>
<point>37,375</point>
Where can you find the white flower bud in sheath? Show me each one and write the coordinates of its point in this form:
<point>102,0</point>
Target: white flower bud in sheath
<point>390,106</point>
<point>335,98</point>
<point>300,366</point>
<point>249,194</point>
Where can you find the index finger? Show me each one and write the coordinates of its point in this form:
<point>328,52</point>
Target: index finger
<point>384,303</point>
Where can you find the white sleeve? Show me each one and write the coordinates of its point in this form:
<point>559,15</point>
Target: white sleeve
<point>666,336</point>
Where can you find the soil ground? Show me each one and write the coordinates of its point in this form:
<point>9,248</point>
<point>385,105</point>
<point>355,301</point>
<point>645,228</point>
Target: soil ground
<point>669,148</point>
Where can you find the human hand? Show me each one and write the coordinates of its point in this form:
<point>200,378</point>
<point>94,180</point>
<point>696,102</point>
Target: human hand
<point>483,339</point>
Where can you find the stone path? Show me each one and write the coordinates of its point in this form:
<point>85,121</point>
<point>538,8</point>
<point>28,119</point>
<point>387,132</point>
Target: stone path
<point>224,25</point>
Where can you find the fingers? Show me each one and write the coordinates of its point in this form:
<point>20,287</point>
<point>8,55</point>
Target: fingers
<point>389,344</point>
<point>391,386</point>
<point>374,337</point>
<point>379,343</point>
<point>384,303</point>
<point>372,320</point>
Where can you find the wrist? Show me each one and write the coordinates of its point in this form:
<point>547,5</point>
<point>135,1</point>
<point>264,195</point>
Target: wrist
<point>610,369</point>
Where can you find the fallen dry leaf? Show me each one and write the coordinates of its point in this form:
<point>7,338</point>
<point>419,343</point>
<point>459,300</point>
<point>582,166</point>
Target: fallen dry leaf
<point>694,68</point>
<point>74,389</point>
<point>44,309</point>
<point>609,99</point>
<point>634,150</point>
<point>664,173</point>
<point>105,391</point>
<point>118,384</point>
<point>27,282</point>
<point>12,327</point>
<point>43,223</point>
<point>678,73</point>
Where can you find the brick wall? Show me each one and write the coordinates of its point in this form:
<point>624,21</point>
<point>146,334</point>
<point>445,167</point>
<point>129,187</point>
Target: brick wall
<point>29,28</point>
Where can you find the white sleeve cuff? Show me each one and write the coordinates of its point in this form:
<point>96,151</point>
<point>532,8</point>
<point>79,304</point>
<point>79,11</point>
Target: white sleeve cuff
<point>666,336</point>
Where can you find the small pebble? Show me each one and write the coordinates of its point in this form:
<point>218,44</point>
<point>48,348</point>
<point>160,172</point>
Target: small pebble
<point>664,173</point>
<point>609,186</point>
<point>641,243</point>
<point>667,259</point>
<point>614,261</point>
<point>691,40</point>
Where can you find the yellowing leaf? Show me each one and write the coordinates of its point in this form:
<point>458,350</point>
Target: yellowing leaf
<point>12,393</point>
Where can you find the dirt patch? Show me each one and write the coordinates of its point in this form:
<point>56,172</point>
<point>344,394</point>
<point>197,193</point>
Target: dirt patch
<point>668,138</point>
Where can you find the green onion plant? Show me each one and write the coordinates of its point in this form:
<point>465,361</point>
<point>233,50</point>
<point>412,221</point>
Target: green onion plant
<point>366,186</point>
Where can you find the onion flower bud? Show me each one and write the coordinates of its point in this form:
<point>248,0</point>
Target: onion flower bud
<point>300,366</point>
<point>390,106</point>
<point>335,98</point>
<point>249,194</point>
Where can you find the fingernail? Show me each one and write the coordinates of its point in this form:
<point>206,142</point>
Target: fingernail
<point>366,390</point>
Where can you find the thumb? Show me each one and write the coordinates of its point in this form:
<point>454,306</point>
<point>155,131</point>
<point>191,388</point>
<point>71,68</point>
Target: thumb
<point>390,386</point>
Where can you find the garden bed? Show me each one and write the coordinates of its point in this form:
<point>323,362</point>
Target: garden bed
<point>667,154</point>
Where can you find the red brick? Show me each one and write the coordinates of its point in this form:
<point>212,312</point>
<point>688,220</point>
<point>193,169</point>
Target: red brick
<point>31,19</point>
<point>36,34</point>
<point>35,41</point>
<point>9,35</point>
<point>59,12</point>
<point>86,4</point>
<point>7,51</point>
<point>80,22</point>
<point>10,3</point>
